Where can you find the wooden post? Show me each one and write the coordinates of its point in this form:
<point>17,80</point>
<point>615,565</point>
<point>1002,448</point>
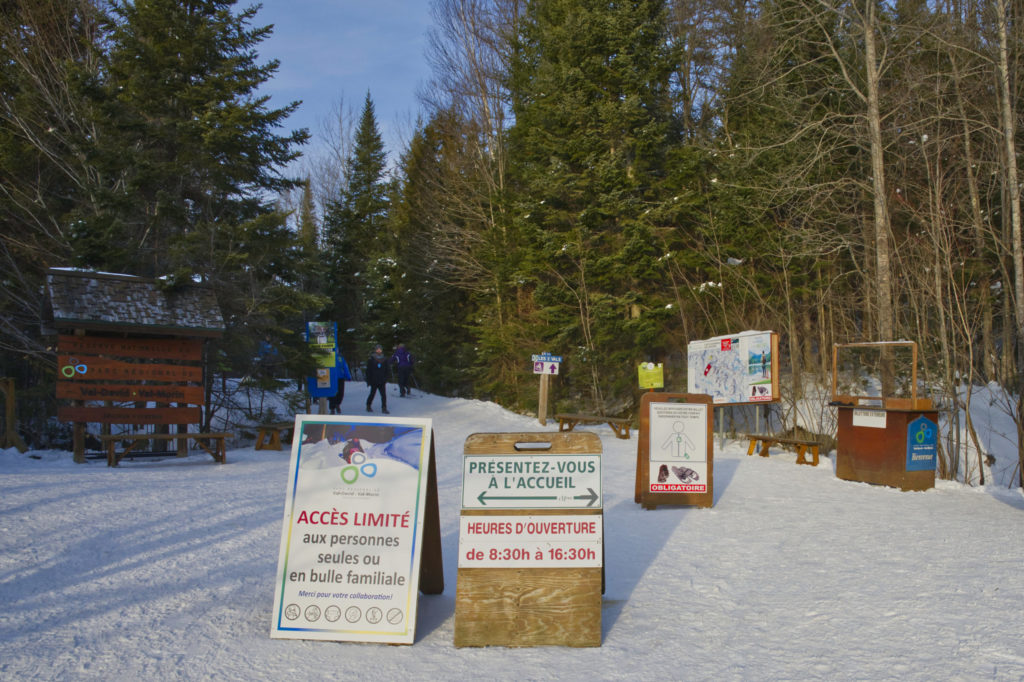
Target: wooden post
<point>11,437</point>
<point>542,401</point>
<point>182,443</point>
<point>78,428</point>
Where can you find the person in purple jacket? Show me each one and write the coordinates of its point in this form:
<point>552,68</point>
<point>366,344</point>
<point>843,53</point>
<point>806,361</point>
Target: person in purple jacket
<point>403,361</point>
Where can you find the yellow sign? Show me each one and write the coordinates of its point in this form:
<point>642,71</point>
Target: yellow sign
<point>651,375</point>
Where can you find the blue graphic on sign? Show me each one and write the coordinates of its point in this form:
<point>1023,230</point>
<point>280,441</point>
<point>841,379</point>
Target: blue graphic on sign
<point>922,444</point>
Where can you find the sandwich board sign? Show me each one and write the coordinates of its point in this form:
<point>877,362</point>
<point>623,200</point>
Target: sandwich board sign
<point>556,480</point>
<point>675,458</point>
<point>531,541</point>
<point>361,533</point>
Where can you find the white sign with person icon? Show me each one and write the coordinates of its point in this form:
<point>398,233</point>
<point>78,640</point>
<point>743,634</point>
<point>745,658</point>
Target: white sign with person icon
<point>353,530</point>
<point>675,458</point>
<point>678,448</point>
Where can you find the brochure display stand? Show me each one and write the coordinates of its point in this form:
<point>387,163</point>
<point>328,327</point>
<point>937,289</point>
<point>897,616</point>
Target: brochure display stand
<point>887,446</point>
<point>675,456</point>
<point>531,541</point>
<point>881,437</point>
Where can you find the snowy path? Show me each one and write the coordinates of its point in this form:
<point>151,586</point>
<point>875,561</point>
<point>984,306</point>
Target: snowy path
<point>164,570</point>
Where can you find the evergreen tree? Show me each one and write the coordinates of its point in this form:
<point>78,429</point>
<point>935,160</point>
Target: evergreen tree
<point>431,314</point>
<point>308,226</point>
<point>189,144</point>
<point>189,153</point>
<point>313,268</point>
<point>47,50</point>
<point>590,90</point>
<point>358,245</point>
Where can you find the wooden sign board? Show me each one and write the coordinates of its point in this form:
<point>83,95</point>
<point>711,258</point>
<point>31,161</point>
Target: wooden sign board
<point>157,393</point>
<point>532,575</point>
<point>96,368</point>
<point>130,415</point>
<point>150,372</point>
<point>361,535</point>
<point>675,453</point>
<point>188,350</point>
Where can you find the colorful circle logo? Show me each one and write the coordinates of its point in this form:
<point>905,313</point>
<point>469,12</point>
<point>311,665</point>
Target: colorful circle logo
<point>75,367</point>
<point>925,434</point>
<point>359,465</point>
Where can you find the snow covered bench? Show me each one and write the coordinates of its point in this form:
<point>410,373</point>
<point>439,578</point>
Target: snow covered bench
<point>800,444</point>
<point>566,422</point>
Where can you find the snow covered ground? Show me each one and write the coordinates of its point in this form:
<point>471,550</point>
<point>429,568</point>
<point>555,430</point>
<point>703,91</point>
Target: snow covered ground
<point>162,570</point>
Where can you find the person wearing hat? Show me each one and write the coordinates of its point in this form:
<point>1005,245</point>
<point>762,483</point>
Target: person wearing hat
<point>377,378</point>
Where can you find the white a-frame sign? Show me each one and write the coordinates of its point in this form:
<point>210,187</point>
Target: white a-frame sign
<point>361,535</point>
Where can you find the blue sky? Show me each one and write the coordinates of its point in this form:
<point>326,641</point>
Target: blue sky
<point>336,50</point>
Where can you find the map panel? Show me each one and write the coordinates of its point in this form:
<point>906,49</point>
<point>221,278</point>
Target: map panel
<point>738,368</point>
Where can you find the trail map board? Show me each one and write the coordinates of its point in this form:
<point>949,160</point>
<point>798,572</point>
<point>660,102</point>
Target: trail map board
<point>735,369</point>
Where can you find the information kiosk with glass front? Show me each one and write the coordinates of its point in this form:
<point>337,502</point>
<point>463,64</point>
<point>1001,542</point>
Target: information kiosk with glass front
<point>886,434</point>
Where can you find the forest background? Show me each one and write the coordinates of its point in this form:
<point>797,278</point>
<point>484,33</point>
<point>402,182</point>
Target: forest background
<point>606,181</point>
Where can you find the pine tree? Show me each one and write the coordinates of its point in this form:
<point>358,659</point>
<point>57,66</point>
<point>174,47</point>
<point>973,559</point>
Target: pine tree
<point>187,156</point>
<point>593,117</point>
<point>188,143</point>
<point>358,246</point>
<point>431,314</point>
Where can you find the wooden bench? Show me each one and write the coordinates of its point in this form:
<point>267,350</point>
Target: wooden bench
<point>269,437</point>
<point>620,425</point>
<point>800,443</point>
<point>218,451</point>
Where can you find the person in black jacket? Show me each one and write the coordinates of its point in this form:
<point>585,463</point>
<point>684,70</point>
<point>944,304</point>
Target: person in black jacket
<point>377,378</point>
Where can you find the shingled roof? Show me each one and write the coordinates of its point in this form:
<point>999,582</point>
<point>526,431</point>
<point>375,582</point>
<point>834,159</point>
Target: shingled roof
<point>95,301</point>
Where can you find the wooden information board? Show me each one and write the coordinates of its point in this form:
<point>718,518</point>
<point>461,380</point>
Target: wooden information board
<point>134,347</point>
<point>675,455</point>
<point>135,370</point>
<point>531,541</point>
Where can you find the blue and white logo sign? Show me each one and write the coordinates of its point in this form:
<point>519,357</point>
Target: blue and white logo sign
<point>922,444</point>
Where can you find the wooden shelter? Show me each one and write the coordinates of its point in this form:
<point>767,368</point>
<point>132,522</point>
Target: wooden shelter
<point>130,351</point>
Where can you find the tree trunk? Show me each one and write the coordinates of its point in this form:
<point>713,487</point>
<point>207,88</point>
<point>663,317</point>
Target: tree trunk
<point>883,270</point>
<point>1013,196</point>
